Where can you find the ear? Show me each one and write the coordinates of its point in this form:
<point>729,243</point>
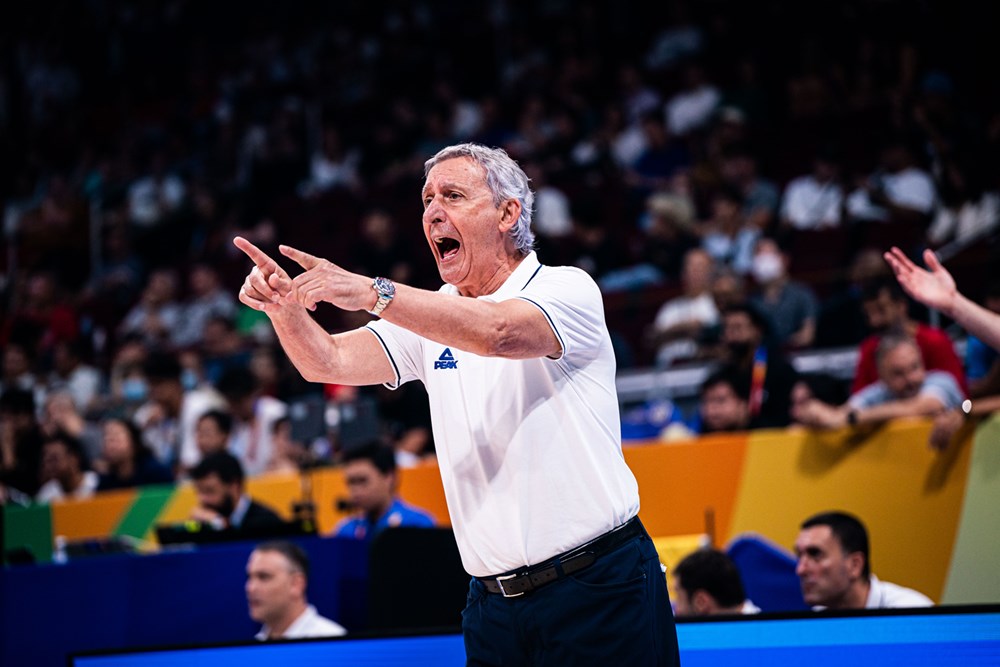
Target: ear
<point>702,602</point>
<point>510,212</point>
<point>855,564</point>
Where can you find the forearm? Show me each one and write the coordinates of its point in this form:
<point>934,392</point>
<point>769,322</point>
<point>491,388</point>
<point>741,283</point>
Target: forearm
<point>319,356</point>
<point>921,406</point>
<point>514,329</point>
<point>975,319</point>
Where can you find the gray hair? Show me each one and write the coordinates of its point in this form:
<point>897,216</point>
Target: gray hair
<point>890,341</point>
<point>505,179</point>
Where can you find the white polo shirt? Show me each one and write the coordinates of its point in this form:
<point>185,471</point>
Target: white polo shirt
<point>529,450</point>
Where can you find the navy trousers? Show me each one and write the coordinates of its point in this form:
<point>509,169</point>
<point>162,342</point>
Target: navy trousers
<point>615,612</point>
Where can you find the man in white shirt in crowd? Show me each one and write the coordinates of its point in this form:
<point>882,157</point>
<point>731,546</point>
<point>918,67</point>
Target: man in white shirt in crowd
<point>814,201</point>
<point>64,470</point>
<point>834,567</point>
<point>518,365</point>
<point>277,579</point>
<point>680,322</point>
<point>898,191</point>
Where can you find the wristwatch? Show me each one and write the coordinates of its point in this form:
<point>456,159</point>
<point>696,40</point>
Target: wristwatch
<point>386,290</point>
<point>852,417</point>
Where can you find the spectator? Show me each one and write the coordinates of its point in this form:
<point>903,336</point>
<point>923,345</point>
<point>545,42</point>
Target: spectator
<point>898,191</point>
<point>222,501</point>
<point>692,107</point>
<point>681,322</point>
<point>20,443</point>
<point>65,472</point>
<point>815,200</point>
<point>208,299</point>
<point>276,588</point>
<point>372,482</point>
<point>707,583</point>
<point>59,414</point>
<point>790,305</point>
<point>842,320</point>
<point>745,338</point>
<point>904,389</point>
<point>212,432</point>
<point>885,308</point>
<point>834,567</point>
<point>223,348</point>
<point>725,397</point>
<point>668,233</point>
<point>169,419</point>
<point>760,196</point>
<point>726,236</point>
<point>128,461</point>
<point>69,372</point>
<point>289,455</point>
<point>253,419</point>
<point>158,312</point>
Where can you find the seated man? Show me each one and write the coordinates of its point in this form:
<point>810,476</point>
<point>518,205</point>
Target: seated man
<point>706,583</point>
<point>64,470</point>
<point>886,309</point>
<point>370,473</point>
<point>904,389</point>
<point>680,322</point>
<point>277,580</point>
<point>790,304</point>
<point>222,501</point>
<point>834,570</point>
<point>724,405</point>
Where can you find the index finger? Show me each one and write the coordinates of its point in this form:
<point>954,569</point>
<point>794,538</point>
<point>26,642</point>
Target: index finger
<point>898,260</point>
<point>258,256</point>
<point>304,259</point>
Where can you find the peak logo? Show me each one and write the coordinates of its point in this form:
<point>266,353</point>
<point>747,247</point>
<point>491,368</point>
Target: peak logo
<point>446,360</point>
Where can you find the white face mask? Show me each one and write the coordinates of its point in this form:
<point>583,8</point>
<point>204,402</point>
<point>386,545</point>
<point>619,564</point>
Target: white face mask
<point>767,267</point>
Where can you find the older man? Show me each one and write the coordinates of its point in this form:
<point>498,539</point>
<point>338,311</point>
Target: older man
<point>520,372</point>
<point>904,389</point>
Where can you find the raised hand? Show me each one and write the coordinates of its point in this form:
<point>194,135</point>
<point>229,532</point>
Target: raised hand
<point>267,286</point>
<point>934,288</point>
<point>323,280</point>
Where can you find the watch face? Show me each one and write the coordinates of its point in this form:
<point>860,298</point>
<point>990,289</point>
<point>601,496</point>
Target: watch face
<point>384,286</point>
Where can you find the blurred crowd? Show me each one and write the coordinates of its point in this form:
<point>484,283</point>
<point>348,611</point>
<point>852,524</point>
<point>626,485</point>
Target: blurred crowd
<point>735,169</point>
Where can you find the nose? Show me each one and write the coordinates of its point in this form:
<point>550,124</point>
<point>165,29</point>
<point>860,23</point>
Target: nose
<point>800,567</point>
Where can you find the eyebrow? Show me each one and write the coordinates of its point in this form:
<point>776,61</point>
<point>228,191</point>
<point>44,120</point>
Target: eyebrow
<point>447,185</point>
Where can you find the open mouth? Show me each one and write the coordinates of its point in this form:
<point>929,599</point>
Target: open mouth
<point>447,247</point>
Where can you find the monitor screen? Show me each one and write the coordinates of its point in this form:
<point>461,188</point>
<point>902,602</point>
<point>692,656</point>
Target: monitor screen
<point>967,636</point>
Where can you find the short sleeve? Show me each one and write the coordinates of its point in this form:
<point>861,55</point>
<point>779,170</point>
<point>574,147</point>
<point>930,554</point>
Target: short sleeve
<point>571,302</point>
<point>403,348</point>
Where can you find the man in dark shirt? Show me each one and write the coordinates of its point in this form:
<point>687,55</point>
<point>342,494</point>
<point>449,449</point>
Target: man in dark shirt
<point>222,500</point>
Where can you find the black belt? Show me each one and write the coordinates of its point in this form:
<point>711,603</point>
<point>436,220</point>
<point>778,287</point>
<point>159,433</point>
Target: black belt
<point>518,583</point>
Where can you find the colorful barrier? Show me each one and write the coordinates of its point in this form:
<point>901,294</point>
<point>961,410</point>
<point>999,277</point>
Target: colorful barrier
<point>931,515</point>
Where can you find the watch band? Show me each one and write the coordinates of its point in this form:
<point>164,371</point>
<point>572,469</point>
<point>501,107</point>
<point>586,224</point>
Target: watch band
<point>386,291</point>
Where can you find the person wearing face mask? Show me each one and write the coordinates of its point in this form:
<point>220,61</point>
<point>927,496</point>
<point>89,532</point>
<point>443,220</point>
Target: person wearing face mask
<point>747,349</point>
<point>791,305</point>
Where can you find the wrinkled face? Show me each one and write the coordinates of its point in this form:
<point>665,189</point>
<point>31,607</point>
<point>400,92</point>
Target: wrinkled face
<point>273,586</point>
<point>464,229</point>
<point>902,370</point>
<point>825,571</point>
<point>722,409</point>
<point>117,442</point>
<point>368,488</point>
<point>883,312</point>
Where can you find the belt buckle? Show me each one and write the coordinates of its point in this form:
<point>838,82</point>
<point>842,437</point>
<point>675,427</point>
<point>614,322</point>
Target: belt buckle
<point>503,591</point>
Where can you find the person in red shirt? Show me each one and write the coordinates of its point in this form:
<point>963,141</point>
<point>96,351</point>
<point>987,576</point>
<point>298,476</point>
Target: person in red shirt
<point>886,309</point>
